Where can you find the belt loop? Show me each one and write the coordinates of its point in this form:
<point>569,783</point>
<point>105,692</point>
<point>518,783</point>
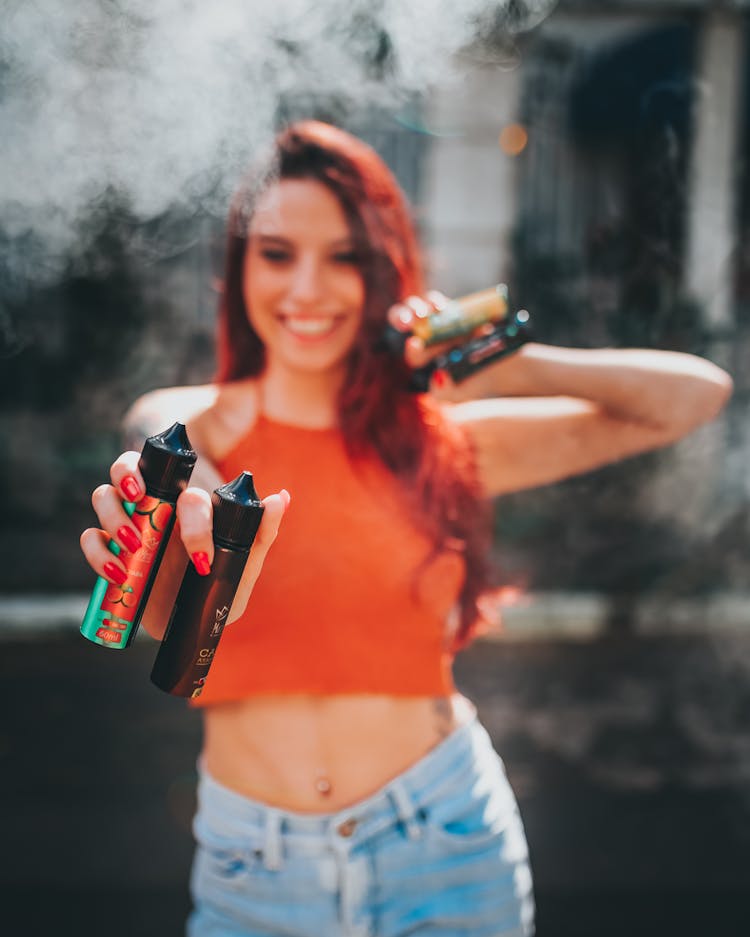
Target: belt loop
<point>405,809</point>
<point>272,844</point>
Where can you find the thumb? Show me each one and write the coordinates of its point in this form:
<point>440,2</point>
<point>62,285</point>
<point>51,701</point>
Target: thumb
<point>275,506</point>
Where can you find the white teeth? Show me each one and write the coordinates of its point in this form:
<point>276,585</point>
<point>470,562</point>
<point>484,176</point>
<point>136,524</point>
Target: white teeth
<point>308,326</point>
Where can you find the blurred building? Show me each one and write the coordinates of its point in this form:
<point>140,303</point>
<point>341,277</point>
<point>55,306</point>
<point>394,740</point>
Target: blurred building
<point>597,163</point>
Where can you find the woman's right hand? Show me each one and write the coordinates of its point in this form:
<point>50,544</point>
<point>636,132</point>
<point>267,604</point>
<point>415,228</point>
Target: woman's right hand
<point>192,536</point>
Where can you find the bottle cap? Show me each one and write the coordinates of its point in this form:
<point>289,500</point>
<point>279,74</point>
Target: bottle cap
<point>237,512</point>
<point>392,340</point>
<point>167,461</point>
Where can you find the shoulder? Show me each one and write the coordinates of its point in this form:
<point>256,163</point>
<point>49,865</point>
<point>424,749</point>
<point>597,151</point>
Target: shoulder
<point>214,414</point>
<point>158,409</point>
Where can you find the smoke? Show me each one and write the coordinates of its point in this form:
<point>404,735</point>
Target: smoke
<point>165,103</point>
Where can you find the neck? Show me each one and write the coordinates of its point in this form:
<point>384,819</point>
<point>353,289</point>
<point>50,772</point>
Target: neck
<point>301,398</point>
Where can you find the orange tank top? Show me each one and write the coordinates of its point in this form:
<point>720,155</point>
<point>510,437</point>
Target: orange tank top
<point>345,602</point>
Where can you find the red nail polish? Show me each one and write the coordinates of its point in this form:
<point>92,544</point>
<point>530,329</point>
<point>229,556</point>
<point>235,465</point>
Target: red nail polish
<point>200,561</point>
<point>439,378</point>
<point>129,538</point>
<point>404,317</point>
<point>111,571</point>
<point>130,488</point>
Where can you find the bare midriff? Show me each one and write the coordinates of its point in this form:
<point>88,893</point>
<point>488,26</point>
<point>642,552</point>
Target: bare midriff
<point>316,754</point>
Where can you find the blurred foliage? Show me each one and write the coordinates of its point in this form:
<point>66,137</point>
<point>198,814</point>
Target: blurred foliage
<point>592,533</point>
<point>67,335</point>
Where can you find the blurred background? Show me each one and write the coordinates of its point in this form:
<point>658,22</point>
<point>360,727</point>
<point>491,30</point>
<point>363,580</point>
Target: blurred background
<point>594,156</point>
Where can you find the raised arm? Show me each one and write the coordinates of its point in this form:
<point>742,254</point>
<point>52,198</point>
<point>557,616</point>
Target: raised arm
<point>546,413</point>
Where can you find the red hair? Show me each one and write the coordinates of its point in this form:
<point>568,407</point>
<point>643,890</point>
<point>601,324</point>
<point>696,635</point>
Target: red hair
<point>409,433</point>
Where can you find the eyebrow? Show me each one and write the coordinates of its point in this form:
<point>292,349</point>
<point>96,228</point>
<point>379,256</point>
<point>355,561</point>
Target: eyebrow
<point>279,239</point>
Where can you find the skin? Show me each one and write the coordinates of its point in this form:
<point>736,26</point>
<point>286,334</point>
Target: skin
<point>539,416</point>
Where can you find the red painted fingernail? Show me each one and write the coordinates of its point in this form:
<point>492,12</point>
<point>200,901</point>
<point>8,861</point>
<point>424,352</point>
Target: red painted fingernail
<point>129,537</point>
<point>200,561</point>
<point>111,571</point>
<point>404,317</point>
<point>439,378</point>
<point>131,488</point>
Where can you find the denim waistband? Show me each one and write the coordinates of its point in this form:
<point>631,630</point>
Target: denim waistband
<point>399,800</point>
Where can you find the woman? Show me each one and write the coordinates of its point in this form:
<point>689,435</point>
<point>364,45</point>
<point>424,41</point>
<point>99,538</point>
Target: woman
<point>346,788</point>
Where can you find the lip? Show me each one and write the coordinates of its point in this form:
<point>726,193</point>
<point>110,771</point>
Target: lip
<point>311,329</point>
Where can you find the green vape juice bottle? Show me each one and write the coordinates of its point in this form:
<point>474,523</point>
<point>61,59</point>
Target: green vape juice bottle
<point>115,611</point>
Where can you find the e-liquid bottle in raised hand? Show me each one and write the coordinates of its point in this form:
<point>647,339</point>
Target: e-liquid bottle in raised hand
<point>115,611</point>
<point>458,317</point>
<point>454,319</point>
<point>203,602</point>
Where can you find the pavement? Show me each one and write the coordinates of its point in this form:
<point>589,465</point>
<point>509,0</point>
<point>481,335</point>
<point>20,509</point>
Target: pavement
<point>629,754</point>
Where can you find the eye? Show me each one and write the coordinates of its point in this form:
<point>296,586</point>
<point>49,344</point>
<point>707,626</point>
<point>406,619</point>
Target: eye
<point>346,257</point>
<point>275,255</point>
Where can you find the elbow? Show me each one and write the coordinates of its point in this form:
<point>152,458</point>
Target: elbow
<point>705,405</point>
<point>719,395</point>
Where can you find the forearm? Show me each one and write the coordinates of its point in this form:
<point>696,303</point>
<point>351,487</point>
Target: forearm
<point>658,388</point>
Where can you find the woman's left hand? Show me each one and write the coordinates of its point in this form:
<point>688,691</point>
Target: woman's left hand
<point>402,317</point>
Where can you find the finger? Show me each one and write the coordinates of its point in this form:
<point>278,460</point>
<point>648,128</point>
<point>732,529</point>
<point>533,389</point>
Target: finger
<point>113,518</point>
<point>401,317</point>
<point>437,298</point>
<point>417,354</point>
<point>100,558</point>
<point>195,517</point>
<point>275,506</point>
<point>420,306</point>
<point>126,476</point>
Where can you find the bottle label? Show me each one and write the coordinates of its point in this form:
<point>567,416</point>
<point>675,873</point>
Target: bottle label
<point>220,619</point>
<point>152,518</point>
<point>205,655</point>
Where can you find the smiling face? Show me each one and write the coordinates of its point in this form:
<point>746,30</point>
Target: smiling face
<point>302,283</point>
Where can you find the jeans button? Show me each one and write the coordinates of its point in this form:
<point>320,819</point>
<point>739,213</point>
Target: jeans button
<point>347,827</point>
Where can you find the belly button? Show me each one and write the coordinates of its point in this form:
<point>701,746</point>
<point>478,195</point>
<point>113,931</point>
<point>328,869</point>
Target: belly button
<point>323,786</point>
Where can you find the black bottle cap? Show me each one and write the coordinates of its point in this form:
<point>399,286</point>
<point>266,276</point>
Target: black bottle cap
<point>167,461</point>
<point>237,513</point>
<point>392,340</point>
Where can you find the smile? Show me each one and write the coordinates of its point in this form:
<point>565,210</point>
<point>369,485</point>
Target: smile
<point>311,326</point>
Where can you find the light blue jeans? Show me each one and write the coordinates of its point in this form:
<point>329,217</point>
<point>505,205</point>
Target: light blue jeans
<point>439,850</point>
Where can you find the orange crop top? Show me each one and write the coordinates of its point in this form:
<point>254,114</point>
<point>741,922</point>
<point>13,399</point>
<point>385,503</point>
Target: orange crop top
<point>344,603</point>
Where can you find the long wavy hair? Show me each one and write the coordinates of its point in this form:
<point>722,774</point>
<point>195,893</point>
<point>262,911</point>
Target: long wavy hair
<point>431,458</point>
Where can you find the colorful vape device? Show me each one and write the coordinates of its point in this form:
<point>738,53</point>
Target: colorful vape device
<point>504,339</point>
<point>462,316</point>
<point>464,360</point>
<point>115,611</point>
<point>455,318</point>
<point>203,602</point>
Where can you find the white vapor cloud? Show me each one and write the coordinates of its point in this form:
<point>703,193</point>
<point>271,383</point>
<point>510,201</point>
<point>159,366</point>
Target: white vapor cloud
<point>166,102</point>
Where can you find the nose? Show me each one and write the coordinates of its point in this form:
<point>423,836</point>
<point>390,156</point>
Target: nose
<point>306,282</point>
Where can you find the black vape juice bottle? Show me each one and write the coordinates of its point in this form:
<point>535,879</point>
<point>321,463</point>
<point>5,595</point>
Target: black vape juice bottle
<point>503,340</point>
<point>464,360</point>
<point>114,612</point>
<point>203,602</point>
